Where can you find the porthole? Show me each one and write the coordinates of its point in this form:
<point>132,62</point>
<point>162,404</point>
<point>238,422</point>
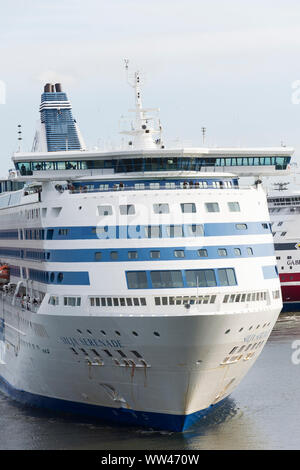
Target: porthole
<point>79,208</point>
<point>79,331</point>
<point>226,332</point>
<point>118,333</point>
<point>103,332</point>
<point>250,328</point>
<point>156,333</point>
<point>241,329</point>
<point>134,333</point>
<point>89,331</point>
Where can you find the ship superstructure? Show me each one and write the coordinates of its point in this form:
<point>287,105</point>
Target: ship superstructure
<point>142,282</point>
<point>284,208</point>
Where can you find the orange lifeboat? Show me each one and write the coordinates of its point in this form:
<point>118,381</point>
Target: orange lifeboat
<point>4,274</point>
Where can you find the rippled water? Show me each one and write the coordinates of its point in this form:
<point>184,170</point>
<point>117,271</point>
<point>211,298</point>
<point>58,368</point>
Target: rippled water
<point>263,413</point>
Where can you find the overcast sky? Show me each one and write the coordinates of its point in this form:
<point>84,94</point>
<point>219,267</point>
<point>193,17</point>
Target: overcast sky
<point>227,65</point>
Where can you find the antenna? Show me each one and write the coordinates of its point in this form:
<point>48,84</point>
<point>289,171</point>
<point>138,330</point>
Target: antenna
<point>203,130</point>
<point>19,136</point>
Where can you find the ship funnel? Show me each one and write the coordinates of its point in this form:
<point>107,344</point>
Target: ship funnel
<point>59,130</point>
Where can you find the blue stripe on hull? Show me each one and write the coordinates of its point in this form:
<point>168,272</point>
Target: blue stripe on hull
<point>121,416</point>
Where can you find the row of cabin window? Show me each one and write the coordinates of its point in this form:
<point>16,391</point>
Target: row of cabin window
<point>178,278</point>
<point>170,231</point>
<point>117,302</point>
<point>163,208</point>
<point>152,185</point>
<point>250,297</point>
<point>68,301</point>
<point>179,300</point>
<point>150,231</point>
<point>155,254</point>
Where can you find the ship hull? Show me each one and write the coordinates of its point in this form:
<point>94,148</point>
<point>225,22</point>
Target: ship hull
<point>182,373</point>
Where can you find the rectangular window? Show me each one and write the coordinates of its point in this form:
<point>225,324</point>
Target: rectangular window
<point>98,255</point>
<point>195,230</point>
<point>72,301</point>
<point>137,280</point>
<point>200,278</point>
<point>161,208</point>
<point>212,207</point>
<point>188,207</point>
<point>241,226</point>
<point>129,302</point>
<point>132,255</point>
<point>174,231</point>
<point>152,231</point>
<point>227,277</point>
<point>202,253</point>
<point>114,255</point>
<point>53,300</point>
<point>237,252</point>
<point>179,253</point>
<point>155,254</point>
<point>234,207</point>
<point>249,251</point>
<point>222,252</point>
<point>164,279</point>
<point>127,209</point>
<point>104,210</point>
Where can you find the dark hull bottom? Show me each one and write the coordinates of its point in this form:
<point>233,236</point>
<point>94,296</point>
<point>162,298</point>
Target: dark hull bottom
<point>120,416</point>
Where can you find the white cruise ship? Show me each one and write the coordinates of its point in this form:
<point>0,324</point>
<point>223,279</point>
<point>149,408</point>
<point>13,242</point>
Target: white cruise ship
<point>139,285</point>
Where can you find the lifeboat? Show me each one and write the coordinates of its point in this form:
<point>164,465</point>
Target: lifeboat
<point>4,274</point>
